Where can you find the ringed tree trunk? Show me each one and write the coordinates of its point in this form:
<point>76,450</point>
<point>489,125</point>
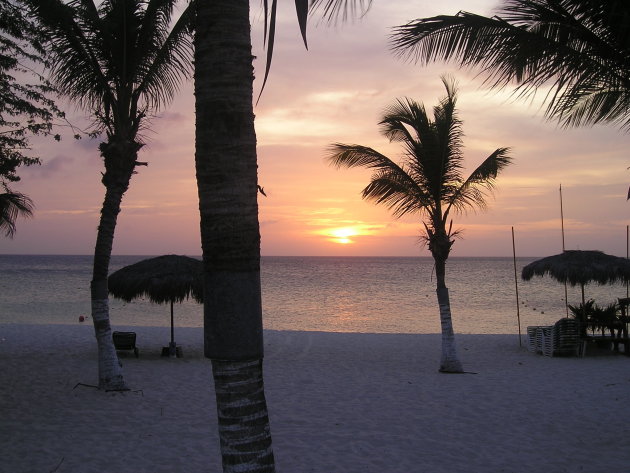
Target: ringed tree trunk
<point>120,157</point>
<point>226,168</point>
<point>440,247</point>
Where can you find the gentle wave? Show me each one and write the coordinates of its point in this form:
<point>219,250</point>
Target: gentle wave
<point>333,294</point>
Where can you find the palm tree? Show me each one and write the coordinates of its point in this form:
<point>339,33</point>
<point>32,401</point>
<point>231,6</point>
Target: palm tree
<point>121,61</point>
<point>12,205</point>
<point>429,182</point>
<point>225,157</point>
<point>581,48</point>
<point>226,164</point>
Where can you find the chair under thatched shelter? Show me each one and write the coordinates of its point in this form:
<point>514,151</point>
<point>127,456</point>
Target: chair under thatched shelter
<point>168,278</point>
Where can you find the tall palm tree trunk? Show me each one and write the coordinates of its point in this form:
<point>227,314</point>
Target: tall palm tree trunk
<point>227,180</point>
<point>449,363</point>
<point>244,430</point>
<point>119,166</point>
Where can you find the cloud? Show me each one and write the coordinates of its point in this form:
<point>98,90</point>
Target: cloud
<point>49,167</point>
<point>91,211</point>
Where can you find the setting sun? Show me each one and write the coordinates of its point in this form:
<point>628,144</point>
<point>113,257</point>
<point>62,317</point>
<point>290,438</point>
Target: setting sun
<point>342,235</point>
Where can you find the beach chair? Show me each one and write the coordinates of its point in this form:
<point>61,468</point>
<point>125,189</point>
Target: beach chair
<point>560,339</point>
<point>533,339</point>
<point>125,341</point>
<point>537,337</point>
<point>566,338</point>
<point>546,340</point>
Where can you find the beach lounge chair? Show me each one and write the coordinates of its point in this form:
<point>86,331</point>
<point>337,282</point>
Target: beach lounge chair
<point>546,343</point>
<point>125,341</point>
<point>560,339</point>
<point>534,338</point>
<point>566,338</point>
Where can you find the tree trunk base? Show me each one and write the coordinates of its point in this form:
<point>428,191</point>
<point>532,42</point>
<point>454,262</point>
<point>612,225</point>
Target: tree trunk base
<point>244,429</point>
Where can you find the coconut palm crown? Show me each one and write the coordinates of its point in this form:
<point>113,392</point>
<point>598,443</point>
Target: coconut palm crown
<point>121,61</point>
<point>579,48</point>
<point>429,181</point>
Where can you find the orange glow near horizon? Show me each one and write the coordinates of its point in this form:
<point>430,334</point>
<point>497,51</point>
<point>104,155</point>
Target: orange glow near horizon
<point>342,235</point>
<point>336,93</point>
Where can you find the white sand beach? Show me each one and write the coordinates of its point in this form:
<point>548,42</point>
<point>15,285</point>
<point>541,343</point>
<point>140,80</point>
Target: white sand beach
<point>338,402</point>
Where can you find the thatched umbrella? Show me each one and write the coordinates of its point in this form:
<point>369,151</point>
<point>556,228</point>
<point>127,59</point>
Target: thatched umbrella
<point>580,267</point>
<point>168,278</point>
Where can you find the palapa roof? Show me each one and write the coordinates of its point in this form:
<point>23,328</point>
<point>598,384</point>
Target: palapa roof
<point>580,267</point>
<point>168,278</point>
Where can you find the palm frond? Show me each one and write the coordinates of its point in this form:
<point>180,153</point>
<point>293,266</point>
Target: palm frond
<point>121,60</point>
<point>398,192</point>
<point>171,62</point>
<point>270,36</point>
<point>78,75</point>
<point>576,47</point>
<point>472,192</point>
<point>448,134</point>
<point>581,108</point>
<point>387,173</point>
<point>301,8</point>
<point>402,116</point>
<point>333,10</point>
<point>349,156</point>
<point>12,206</point>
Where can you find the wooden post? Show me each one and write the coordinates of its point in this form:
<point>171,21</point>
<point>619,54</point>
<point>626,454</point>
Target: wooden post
<point>518,313</point>
<point>566,292</point>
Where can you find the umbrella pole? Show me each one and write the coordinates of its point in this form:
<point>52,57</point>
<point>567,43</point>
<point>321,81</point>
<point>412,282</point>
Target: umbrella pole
<point>172,350</point>
<point>172,327</point>
<point>566,292</point>
<point>518,314</point>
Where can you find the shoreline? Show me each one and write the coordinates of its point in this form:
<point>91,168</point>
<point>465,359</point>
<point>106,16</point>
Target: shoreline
<point>338,402</point>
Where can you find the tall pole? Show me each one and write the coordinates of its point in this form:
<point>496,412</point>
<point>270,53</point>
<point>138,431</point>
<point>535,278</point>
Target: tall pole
<point>518,313</point>
<point>562,218</point>
<point>172,327</point>
<point>566,293</point>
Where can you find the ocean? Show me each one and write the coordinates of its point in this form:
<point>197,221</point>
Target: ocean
<point>331,294</point>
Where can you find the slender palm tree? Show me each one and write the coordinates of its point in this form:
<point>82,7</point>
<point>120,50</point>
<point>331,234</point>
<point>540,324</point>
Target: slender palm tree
<point>13,205</point>
<point>581,48</point>
<point>226,164</point>
<point>429,182</point>
<point>121,61</point>
<point>225,157</point>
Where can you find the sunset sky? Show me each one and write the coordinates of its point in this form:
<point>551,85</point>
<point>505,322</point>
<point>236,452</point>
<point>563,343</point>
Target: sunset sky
<point>336,92</point>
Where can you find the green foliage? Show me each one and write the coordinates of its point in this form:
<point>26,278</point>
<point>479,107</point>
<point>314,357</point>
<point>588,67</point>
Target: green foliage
<point>595,317</point>
<point>120,60</point>
<point>26,109</point>
<point>583,310</point>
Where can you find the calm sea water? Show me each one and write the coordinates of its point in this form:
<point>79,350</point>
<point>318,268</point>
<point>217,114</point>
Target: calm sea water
<point>380,295</point>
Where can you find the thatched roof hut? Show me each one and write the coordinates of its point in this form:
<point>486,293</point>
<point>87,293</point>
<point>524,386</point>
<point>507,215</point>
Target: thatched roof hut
<point>580,267</point>
<point>168,278</point>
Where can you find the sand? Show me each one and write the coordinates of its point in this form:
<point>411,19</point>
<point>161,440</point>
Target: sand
<point>338,402</point>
